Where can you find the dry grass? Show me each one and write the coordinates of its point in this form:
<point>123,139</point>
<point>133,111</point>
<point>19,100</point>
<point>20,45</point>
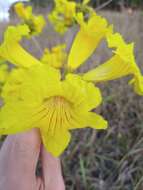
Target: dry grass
<point>112,159</point>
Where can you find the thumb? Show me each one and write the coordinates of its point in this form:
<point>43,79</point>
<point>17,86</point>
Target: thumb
<point>19,155</point>
<point>52,173</point>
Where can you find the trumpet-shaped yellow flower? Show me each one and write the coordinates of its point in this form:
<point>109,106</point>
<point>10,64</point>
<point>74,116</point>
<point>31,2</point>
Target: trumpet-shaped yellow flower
<point>43,101</point>
<point>56,57</point>
<point>44,96</point>
<point>11,50</point>
<point>121,64</point>
<point>63,15</point>
<point>35,23</point>
<point>87,39</point>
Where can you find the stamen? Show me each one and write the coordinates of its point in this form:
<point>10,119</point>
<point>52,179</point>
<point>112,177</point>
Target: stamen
<point>58,115</point>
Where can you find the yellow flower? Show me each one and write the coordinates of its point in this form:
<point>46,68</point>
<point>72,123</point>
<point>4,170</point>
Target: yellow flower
<point>35,23</point>
<point>56,57</point>
<point>22,11</point>
<point>42,100</point>
<point>38,24</point>
<point>11,50</point>
<point>63,15</point>
<point>87,39</point>
<point>121,64</point>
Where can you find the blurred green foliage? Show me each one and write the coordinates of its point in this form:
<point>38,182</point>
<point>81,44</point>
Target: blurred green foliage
<point>113,4</point>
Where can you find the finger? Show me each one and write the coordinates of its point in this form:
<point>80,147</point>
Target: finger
<point>39,184</point>
<point>19,155</point>
<point>52,174</point>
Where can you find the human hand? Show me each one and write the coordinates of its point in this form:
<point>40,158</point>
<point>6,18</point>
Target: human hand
<point>18,160</point>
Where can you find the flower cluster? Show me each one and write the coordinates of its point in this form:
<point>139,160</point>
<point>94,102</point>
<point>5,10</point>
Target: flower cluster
<point>56,57</point>
<point>65,12</point>
<point>35,23</point>
<point>48,94</point>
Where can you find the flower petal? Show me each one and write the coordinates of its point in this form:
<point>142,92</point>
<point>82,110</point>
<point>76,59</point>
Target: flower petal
<point>16,117</point>
<point>87,39</point>
<point>25,94</point>
<point>56,144</point>
<point>96,121</point>
<point>31,84</point>
<point>85,94</point>
<point>121,64</point>
<point>90,119</point>
<point>137,83</point>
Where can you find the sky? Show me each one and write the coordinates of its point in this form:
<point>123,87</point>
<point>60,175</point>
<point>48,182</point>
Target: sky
<point>4,7</point>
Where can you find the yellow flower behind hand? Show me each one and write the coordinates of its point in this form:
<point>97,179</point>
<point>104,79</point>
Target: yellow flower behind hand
<point>35,23</point>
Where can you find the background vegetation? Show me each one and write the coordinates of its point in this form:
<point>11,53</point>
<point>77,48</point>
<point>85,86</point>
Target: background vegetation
<point>112,4</point>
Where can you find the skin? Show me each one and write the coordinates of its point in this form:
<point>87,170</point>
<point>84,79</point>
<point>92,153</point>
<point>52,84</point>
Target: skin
<point>18,160</point>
